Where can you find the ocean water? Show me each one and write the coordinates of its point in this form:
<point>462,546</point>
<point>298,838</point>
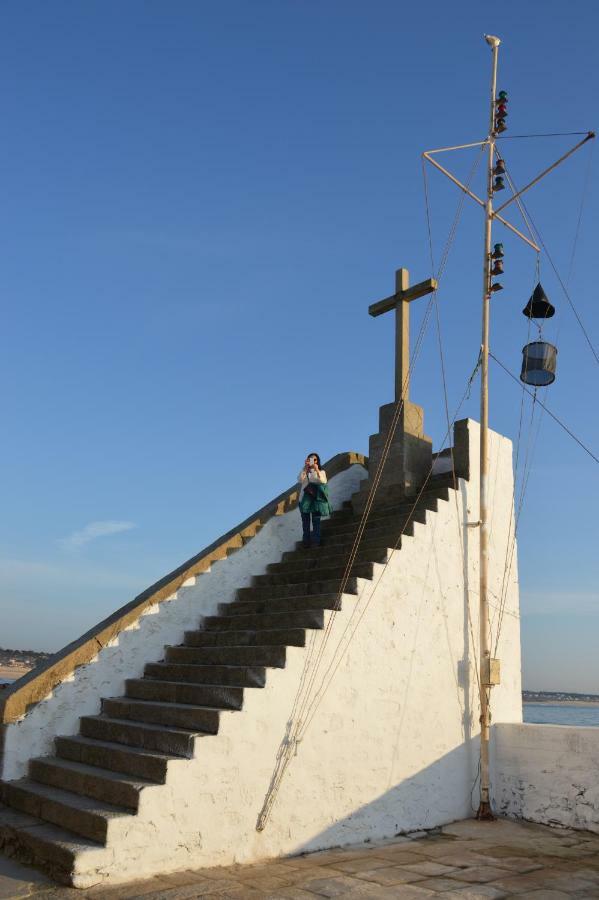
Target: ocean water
<point>550,714</point>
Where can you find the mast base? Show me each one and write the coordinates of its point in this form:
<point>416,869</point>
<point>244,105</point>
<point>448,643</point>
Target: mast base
<point>484,812</point>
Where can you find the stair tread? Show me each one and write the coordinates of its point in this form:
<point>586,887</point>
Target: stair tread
<point>170,681</point>
<point>204,665</point>
<point>70,798</point>
<point>324,596</point>
<point>46,831</point>
<point>150,726</point>
<point>112,745</point>
<point>186,707</point>
<point>98,771</point>
<point>224,647</point>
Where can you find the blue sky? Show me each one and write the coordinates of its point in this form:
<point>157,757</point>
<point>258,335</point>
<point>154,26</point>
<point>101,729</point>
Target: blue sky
<point>199,202</point>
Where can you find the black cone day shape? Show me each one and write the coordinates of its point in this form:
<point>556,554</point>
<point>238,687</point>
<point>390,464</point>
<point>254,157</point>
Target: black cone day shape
<point>538,307</point>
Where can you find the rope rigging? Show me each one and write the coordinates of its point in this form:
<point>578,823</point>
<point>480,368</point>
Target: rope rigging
<point>309,696</point>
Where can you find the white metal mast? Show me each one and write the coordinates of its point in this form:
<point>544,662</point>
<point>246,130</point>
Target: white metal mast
<point>484,810</point>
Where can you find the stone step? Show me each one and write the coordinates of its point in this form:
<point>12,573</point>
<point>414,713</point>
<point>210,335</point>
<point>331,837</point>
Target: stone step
<point>323,557</point>
<point>217,695</point>
<point>309,618</point>
<point>295,637</point>
<point>373,537</point>
<point>299,589</point>
<point>81,815</point>
<point>179,715</point>
<point>238,676</point>
<point>342,548</point>
<point>392,495</point>
<point>175,741</point>
<point>272,657</point>
<point>89,781</point>
<point>275,605</point>
<point>305,576</point>
<point>390,518</point>
<point>33,842</point>
<point>145,764</point>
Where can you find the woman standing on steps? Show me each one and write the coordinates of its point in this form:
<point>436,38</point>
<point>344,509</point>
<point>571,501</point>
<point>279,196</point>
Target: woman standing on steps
<point>314,498</point>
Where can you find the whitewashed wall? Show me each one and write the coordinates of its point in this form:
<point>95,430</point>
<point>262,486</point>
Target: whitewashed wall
<point>547,774</point>
<point>162,624</point>
<point>394,744</point>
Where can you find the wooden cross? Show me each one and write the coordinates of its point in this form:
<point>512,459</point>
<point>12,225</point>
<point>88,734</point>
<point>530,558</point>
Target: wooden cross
<point>400,302</point>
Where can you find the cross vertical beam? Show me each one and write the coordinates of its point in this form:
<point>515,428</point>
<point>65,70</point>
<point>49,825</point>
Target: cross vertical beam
<point>402,337</point>
<point>400,302</point>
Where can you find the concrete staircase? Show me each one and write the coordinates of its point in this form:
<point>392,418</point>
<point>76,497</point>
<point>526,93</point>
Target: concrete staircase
<point>85,796</point>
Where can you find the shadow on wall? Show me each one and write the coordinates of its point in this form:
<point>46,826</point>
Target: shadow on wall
<point>443,790</point>
<point>440,793</point>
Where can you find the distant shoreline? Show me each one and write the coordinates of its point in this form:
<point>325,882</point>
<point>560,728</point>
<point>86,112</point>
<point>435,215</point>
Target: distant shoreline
<point>550,702</point>
<point>13,672</point>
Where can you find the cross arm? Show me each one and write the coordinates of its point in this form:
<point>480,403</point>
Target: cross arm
<point>413,293</point>
<point>546,171</point>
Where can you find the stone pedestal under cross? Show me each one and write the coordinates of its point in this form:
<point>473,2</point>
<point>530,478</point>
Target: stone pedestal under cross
<point>410,454</point>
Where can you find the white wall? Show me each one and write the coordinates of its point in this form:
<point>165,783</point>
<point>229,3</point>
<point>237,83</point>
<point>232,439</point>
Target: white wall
<point>393,746</point>
<point>547,774</point>
<point>162,624</point>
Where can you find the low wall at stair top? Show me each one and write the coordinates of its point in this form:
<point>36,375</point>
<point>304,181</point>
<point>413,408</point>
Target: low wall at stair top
<point>547,774</point>
<point>49,700</point>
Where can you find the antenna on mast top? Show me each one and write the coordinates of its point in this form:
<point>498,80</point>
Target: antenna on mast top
<point>492,40</point>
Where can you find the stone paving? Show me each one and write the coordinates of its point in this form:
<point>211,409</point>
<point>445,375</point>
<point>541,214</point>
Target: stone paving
<point>468,860</point>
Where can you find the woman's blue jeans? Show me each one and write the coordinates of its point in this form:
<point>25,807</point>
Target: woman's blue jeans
<point>315,527</point>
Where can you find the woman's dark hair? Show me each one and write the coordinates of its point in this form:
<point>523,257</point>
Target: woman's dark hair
<point>317,457</point>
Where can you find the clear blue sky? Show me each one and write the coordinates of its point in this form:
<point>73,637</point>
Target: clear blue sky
<point>199,201</point>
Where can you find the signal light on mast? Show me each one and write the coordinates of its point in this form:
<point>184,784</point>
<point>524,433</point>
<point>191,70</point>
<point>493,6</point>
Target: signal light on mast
<point>495,287</point>
<point>500,112</point>
<point>497,268</point>
<point>498,184</point>
<point>497,251</point>
<point>499,167</point>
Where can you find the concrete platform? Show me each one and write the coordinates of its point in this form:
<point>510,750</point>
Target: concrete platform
<point>468,860</point>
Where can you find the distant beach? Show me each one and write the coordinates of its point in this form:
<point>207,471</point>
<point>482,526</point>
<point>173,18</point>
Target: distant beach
<point>12,673</point>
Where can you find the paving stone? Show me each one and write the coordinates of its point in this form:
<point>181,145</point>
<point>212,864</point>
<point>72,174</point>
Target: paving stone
<point>291,893</point>
<point>391,875</point>
<point>533,881</point>
<point>345,886</point>
<point>204,888</point>
<point>501,851</point>
<point>360,864</point>
<point>480,892</point>
<point>519,864</point>
<point>10,888</point>
<point>266,882</point>
<point>324,857</point>
<point>443,884</point>
<point>334,886</point>
<point>401,891</point>
<point>572,883</point>
<point>398,856</point>
<point>430,868</point>
<point>544,894</point>
<point>20,881</point>
<point>463,859</point>
<point>187,876</point>
<point>482,874</point>
<point>147,887</point>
